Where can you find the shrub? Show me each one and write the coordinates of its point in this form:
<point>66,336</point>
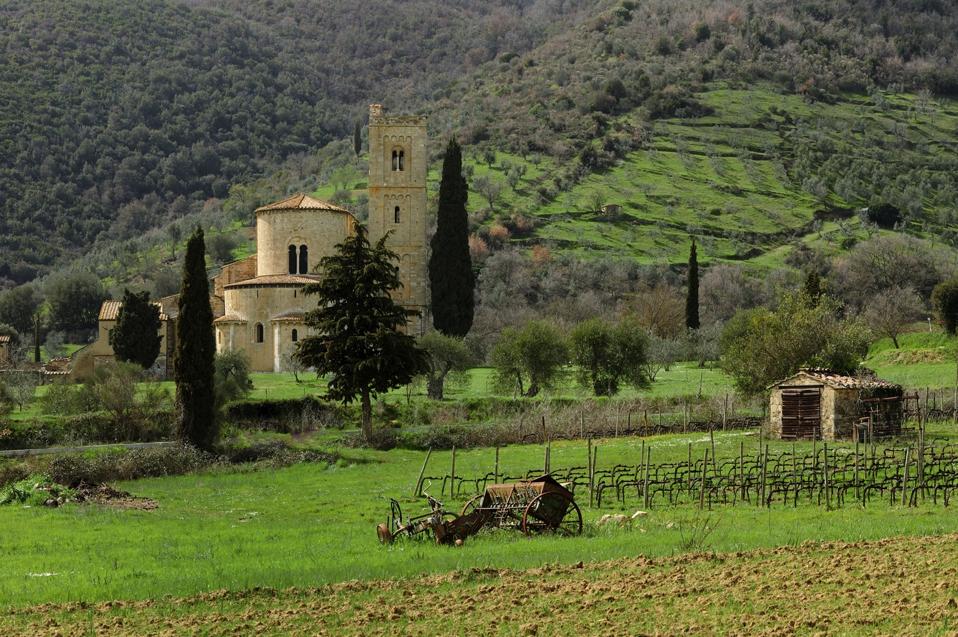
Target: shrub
<point>72,470</point>
<point>944,298</point>
<point>64,399</point>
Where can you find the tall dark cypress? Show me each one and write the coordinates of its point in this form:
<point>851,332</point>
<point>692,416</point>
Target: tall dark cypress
<point>692,300</point>
<point>195,349</point>
<point>450,267</point>
<point>358,139</point>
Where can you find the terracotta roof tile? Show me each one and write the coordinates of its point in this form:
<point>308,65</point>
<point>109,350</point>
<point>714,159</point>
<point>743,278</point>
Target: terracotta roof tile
<point>110,310</point>
<point>286,280</point>
<point>841,381</point>
<point>4,338</point>
<point>302,201</point>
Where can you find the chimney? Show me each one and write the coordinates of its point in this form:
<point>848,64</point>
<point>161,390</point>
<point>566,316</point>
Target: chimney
<point>375,110</point>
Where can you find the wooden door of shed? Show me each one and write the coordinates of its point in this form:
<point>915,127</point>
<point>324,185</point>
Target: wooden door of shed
<point>801,413</point>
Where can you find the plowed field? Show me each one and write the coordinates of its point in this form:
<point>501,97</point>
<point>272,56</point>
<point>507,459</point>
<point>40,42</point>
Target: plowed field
<point>901,586</point>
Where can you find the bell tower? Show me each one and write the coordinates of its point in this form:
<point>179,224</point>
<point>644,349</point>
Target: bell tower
<point>397,200</point>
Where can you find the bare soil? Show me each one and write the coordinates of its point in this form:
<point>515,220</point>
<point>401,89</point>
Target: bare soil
<point>901,586</point>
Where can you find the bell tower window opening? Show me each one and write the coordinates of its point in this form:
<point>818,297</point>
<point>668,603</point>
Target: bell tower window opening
<point>396,215</point>
<point>303,259</point>
<point>260,333</point>
<point>295,335</point>
<point>292,259</point>
<point>399,160</point>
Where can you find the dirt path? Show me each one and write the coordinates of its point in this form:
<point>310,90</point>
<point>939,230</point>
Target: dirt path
<point>901,586</point>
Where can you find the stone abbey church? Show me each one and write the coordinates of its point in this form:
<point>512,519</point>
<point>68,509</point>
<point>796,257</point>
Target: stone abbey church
<point>258,301</point>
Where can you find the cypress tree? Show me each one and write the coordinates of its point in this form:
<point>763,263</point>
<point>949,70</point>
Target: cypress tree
<point>195,350</point>
<point>36,338</point>
<point>692,300</point>
<point>136,336</point>
<point>358,139</point>
<point>450,266</point>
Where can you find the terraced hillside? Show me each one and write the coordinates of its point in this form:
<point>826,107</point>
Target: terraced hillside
<point>761,174</point>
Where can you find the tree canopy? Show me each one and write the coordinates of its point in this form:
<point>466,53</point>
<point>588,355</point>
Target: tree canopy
<point>136,338</point>
<point>762,346</point>
<point>608,355</point>
<point>529,359</point>
<point>358,326</point>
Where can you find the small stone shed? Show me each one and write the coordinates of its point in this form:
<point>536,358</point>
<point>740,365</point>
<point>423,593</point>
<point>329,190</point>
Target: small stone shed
<point>5,346</point>
<point>820,404</point>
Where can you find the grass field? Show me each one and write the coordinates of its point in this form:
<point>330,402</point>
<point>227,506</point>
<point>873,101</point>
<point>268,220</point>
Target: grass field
<point>890,587</point>
<point>309,525</point>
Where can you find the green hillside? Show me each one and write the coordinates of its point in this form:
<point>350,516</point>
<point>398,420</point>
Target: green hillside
<point>753,128</point>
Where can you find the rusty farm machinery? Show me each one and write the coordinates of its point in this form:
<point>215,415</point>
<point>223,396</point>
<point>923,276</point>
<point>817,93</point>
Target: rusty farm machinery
<point>540,505</point>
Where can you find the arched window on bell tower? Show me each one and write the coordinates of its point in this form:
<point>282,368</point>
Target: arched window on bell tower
<point>303,259</point>
<point>292,259</point>
<point>396,215</point>
<point>399,160</point>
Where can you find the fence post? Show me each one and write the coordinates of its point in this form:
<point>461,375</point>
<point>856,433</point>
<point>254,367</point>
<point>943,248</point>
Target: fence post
<point>828,498</point>
<point>589,469</point>
<point>645,487</point>
<point>705,464</point>
<point>452,475</point>
<point>712,438</point>
<point>904,476</point>
<point>422,472</point>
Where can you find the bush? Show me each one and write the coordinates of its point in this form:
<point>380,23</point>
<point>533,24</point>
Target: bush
<point>944,298</point>
<point>64,398</point>
<point>294,415</point>
<point>73,470</point>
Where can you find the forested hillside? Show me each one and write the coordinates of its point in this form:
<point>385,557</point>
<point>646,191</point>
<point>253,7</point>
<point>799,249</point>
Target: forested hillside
<point>118,116</point>
<point>758,127</point>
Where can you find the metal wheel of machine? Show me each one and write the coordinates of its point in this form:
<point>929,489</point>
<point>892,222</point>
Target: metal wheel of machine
<point>472,504</point>
<point>544,511</point>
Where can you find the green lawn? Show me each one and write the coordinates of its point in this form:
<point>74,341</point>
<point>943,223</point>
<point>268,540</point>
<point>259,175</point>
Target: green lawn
<point>307,525</point>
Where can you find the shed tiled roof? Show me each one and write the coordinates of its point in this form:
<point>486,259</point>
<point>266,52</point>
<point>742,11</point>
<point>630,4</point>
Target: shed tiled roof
<point>269,280</point>
<point>302,201</point>
<point>841,381</point>
<point>4,338</point>
<point>110,310</point>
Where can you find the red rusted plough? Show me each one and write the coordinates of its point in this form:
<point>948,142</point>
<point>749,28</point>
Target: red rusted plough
<point>533,506</point>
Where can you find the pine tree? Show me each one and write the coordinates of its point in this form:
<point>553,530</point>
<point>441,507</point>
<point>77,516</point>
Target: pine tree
<point>195,349</point>
<point>692,300</point>
<point>358,139</point>
<point>450,266</point>
<point>358,342</point>
<point>136,336</point>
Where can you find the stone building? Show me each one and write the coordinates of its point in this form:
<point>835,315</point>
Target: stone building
<point>87,359</point>
<point>264,315</point>
<point>398,162</point>
<point>820,404</point>
<point>258,303</point>
<point>6,356</point>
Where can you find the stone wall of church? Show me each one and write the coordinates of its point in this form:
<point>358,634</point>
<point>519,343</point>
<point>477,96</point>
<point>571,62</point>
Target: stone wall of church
<point>234,273</point>
<point>276,230</point>
<point>260,306</point>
